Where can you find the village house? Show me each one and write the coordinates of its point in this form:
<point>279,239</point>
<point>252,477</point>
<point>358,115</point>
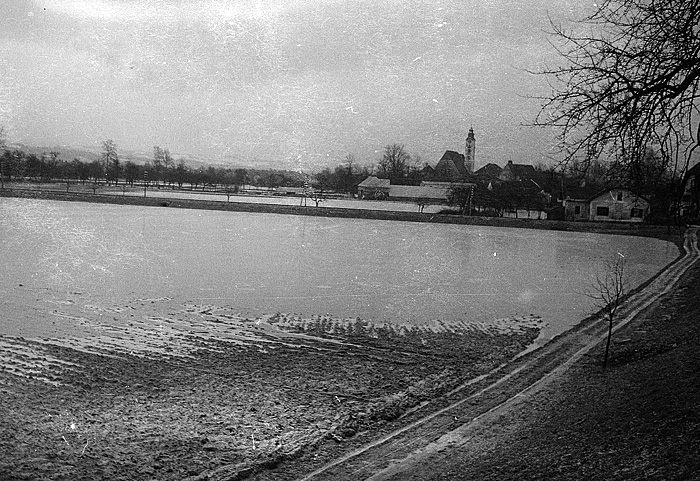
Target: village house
<point>517,172</point>
<point>454,169</point>
<point>576,201</point>
<point>489,171</point>
<point>620,205</point>
<point>428,192</point>
<point>576,209</point>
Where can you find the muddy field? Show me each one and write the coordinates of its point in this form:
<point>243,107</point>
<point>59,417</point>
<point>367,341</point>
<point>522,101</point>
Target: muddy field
<point>205,393</point>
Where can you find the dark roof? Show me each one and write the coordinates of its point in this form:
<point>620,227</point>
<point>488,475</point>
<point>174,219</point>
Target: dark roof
<point>583,193</point>
<point>518,171</point>
<point>489,170</point>
<point>452,161</point>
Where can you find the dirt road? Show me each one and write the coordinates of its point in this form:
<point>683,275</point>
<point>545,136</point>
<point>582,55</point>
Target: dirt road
<point>475,404</point>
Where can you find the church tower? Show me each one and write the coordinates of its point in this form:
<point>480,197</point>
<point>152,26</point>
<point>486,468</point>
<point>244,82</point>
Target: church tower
<point>470,152</point>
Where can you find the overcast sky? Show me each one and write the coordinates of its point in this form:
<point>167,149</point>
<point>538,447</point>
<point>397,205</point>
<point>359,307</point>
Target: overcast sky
<point>302,83</point>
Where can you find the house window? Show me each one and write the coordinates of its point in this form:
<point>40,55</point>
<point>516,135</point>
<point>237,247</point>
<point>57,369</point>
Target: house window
<point>602,211</point>
<point>577,210</point>
<point>638,213</point>
<point>619,196</point>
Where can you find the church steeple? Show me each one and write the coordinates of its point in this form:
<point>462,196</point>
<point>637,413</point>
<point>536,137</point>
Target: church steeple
<point>470,151</point>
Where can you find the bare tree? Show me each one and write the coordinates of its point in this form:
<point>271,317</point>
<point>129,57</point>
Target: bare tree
<point>609,289</point>
<point>110,160</point>
<point>161,159</point>
<point>422,203</point>
<point>629,82</point>
<point>350,163</point>
<point>395,162</point>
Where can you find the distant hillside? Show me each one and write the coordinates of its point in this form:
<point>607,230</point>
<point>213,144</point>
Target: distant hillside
<point>88,154</point>
<point>65,153</point>
<point>91,153</point>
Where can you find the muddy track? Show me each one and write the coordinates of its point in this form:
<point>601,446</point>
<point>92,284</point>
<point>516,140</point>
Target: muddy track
<point>497,390</point>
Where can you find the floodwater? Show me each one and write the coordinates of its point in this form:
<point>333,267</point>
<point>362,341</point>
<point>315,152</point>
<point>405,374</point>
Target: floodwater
<point>260,264</point>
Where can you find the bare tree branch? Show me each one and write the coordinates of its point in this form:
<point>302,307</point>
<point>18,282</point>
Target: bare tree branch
<point>629,82</point>
<point>609,289</point>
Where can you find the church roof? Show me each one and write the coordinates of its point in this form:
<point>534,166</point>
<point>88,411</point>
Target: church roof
<point>453,162</point>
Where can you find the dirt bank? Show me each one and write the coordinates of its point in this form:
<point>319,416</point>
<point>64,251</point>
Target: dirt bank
<point>638,419</point>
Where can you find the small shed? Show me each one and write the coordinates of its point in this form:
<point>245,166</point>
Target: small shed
<point>576,209</point>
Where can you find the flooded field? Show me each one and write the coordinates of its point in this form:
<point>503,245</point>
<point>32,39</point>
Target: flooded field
<point>78,259</point>
<point>159,343</point>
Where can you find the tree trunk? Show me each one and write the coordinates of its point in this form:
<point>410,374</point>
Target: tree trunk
<point>607,344</point>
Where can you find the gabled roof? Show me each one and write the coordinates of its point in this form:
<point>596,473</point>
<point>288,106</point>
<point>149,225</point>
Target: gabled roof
<point>609,190</point>
<point>518,171</point>
<point>452,161</point>
<point>581,192</point>
<point>489,170</point>
<point>592,192</point>
<point>453,156</point>
<point>372,182</point>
